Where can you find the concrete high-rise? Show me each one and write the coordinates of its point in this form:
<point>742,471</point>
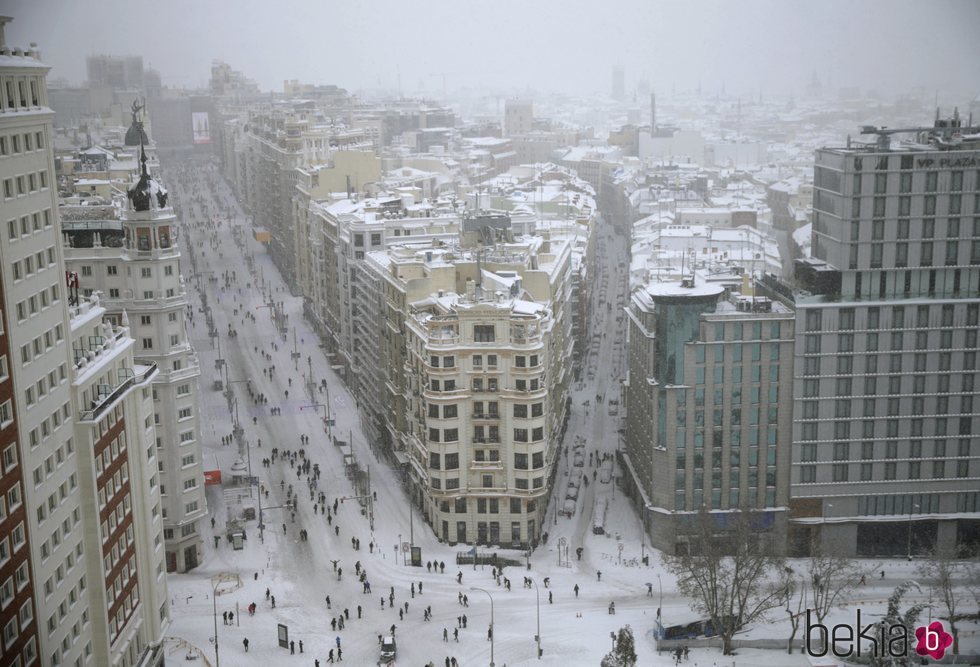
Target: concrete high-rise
<point>135,262</point>
<point>81,578</point>
<point>886,454</point>
<point>708,400</point>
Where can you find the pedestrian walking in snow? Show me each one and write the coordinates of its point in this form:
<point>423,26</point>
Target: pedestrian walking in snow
<point>300,645</point>
<point>245,644</point>
<point>273,601</point>
<point>445,634</point>
<point>340,654</point>
<point>358,611</point>
<point>456,635</point>
<point>292,647</point>
<point>598,575</point>
<point>576,590</point>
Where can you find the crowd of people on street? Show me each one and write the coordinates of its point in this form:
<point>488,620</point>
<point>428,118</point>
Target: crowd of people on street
<point>208,208</point>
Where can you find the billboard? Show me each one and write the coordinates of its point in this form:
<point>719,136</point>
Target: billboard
<point>200,127</point>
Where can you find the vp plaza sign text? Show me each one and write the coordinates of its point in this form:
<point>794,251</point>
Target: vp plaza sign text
<point>948,162</point>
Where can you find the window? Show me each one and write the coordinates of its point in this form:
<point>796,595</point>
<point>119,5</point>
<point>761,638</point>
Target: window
<point>483,333</point>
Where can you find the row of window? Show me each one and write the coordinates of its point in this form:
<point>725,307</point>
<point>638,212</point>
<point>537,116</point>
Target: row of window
<point>749,500</point>
<point>520,361</point>
<point>842,450</point>
<point>28,225</point>
<point>115,587</point>
<point>113,270</point>
<point>841,472</point>
<point>489,505</point>
<point>734,478</point>
<point>902,317</point>
<point>38,302</point>
<point>744,331</point>
<point>717,458</point>
<point>32,264</point>
<point>20,92</point>
<point>520,483</point>
<point>12,144</point>
<point>22,184</point>
<point>951,229</point>
<point>927,181</point>
<point>520,410</point>
<point>491,385</point>
<point>735,438</point>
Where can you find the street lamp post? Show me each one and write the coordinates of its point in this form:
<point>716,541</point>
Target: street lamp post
<point>537,596</point>
<point>474,588</point>
<point>214,609</point>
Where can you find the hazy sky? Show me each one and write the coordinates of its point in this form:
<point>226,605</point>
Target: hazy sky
<point>509,45</point>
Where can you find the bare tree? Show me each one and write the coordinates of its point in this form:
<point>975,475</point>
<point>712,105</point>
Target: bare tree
<point>794,595</point>
<point>832,577</point>
<point>730,577</point>
<point>941,572</point>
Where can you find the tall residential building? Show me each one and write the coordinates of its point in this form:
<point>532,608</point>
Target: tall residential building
<point>39,409</point>
<point>121,526</point>
<point>134,261</point>
<point>81,581</point>
<point>708,397</point>
<point>486,374</point>
<point>886,453</point>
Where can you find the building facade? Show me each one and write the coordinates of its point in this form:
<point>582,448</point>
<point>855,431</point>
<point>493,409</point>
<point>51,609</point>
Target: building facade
<point>886,449</point>
<point>135,262</point>
<point>485,379</point>
<point>709,401</point>
<point>72,590</point>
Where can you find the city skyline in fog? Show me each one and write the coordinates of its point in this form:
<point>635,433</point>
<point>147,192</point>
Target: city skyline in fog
<point>511,47</point>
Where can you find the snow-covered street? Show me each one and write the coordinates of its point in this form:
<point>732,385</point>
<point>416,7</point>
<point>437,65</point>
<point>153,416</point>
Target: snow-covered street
<point>299,574</point>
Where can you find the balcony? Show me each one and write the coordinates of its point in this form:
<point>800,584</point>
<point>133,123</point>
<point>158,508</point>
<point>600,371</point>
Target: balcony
<point>487,416</point>
<point>486,465</point>
<point>439,339</point>
<point>108,397</point>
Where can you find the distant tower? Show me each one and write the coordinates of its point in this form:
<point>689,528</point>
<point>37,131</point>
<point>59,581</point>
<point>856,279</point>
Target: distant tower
<point>618,84</point>
<point>653,112</point>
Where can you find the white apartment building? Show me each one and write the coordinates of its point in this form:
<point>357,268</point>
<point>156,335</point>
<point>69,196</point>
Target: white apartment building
<point>36,312</point>
<point>486,377</point>
<point>77,586</point>
<point>134,260</point>
<point>118,480</point>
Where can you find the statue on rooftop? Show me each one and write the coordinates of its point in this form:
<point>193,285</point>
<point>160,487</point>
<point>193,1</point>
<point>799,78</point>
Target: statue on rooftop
<point>136,135</point>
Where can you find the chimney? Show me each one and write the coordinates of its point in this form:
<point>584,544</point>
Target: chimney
<point>3,21</point>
